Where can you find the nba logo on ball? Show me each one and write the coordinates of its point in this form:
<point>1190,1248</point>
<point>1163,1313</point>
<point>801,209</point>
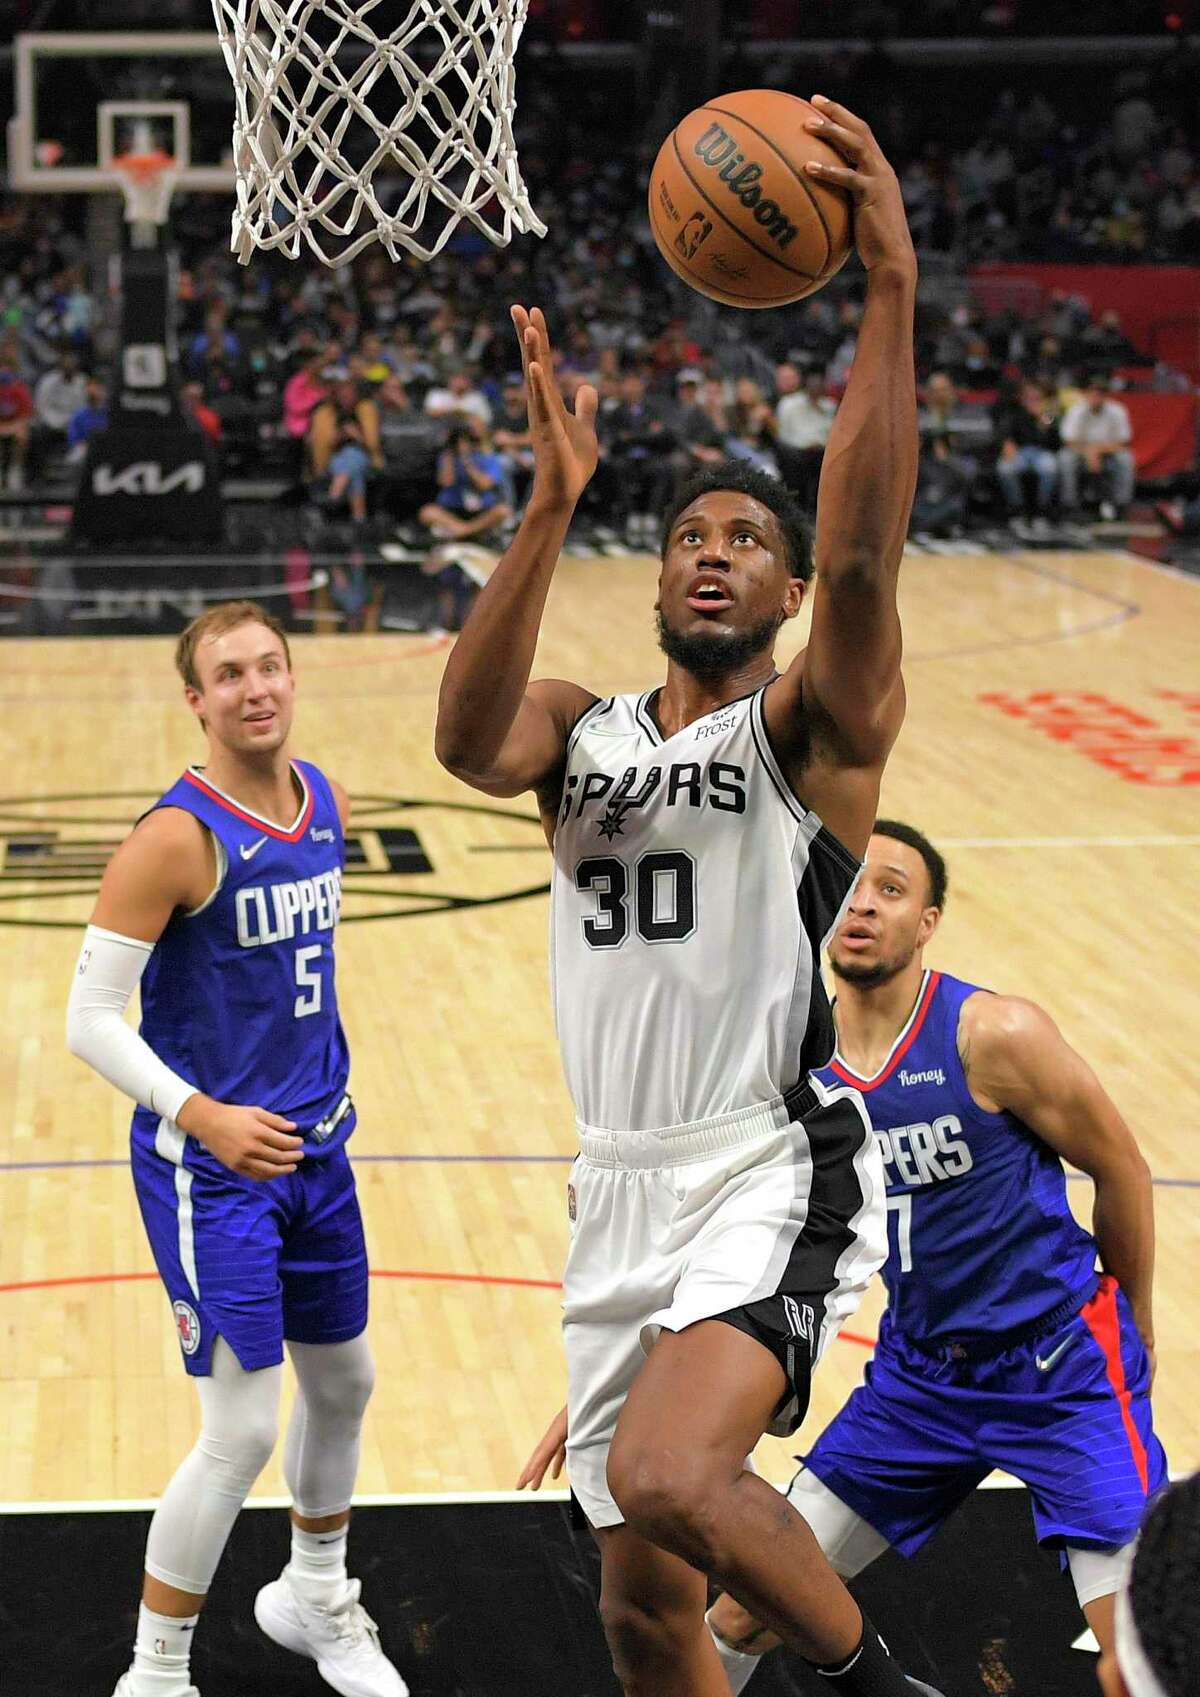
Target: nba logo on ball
<point>188,1322</point>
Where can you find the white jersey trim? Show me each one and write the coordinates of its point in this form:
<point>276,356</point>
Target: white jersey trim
<point>858,1077</point>
<point>169,1142</point>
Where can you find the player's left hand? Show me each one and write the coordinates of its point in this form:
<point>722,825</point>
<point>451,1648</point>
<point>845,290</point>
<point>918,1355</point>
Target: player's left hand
<point>881,232</point>
<point>551,1452</point>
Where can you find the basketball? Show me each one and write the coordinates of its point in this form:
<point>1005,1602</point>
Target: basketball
<point>733,210</point>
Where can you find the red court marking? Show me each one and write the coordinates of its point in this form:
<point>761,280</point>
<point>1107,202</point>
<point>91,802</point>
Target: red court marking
<point>376,1273</point>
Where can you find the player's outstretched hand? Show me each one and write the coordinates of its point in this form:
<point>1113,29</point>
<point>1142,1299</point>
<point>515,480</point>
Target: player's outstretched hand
<point>551,1453</point>
<point>249,1141</point>
<point>565,449</point>
<point>881,232</point>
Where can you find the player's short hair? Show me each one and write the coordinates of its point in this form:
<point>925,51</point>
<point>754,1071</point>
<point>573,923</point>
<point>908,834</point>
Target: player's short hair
<point>227,616</point>
<point>939,879</point>
<point>1163,1593</point>
<point>745,479</point>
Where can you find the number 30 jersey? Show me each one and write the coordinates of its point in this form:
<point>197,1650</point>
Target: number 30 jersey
<point>238,995</point>
<point>692,895</point>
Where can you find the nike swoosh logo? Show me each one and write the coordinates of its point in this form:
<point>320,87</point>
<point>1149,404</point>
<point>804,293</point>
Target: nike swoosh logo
<point>249,853</point>
<point>1045,1363</point>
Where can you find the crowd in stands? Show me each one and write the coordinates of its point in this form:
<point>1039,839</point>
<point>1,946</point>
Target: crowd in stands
<point>390,396</point>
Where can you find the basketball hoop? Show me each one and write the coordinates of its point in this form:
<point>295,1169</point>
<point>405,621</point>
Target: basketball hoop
<point>147,182</point>
<point>344,135</point>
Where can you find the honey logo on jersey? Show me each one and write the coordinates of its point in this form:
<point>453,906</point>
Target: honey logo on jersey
<point>406,857</point>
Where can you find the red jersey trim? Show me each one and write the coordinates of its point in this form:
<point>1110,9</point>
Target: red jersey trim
<point>256,819</point>
<point>916,1021</point>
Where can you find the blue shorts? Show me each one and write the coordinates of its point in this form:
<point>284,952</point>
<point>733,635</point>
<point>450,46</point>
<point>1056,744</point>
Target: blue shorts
<point>251,1262</point>
<point>1067,1413</point>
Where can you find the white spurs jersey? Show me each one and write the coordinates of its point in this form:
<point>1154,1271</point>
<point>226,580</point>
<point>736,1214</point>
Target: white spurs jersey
<point>692,895</point>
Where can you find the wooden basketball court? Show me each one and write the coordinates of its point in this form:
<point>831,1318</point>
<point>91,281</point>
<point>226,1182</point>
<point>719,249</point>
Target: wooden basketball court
<point>1052,750</point>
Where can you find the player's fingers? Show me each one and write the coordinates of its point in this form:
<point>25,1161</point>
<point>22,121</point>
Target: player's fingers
<point>559,1460</point>
<point>849,145</point>
<point>275,1121</point>
<point>275,1146</point>
<point>587,402</point>
<point>841,176</point>
<point>841,115</point>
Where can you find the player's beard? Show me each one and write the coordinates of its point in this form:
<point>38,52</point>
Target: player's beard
<point>713,655</point>
<point>868,977</point>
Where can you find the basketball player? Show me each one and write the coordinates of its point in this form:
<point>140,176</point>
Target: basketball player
<point>1001,1346</point>
<point>726,1211</point>
<point>221,905</point>
<point>1157,1648</point>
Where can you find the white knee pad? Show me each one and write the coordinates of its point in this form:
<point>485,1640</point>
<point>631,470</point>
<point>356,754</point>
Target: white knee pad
<point>239,1415</point>
<point>1098,1573</point>
<point>320,1458</point>
<point>848,1541</point>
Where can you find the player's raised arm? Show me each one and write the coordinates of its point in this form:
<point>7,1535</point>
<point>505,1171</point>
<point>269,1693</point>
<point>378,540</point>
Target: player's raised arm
<point>1017,1059</point>
<point>850,673</point>
<point>493,730</point>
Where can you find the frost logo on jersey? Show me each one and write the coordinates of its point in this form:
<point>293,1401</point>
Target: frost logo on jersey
<point>935,1075</point>
<point>187,1322</point>
<point>274,913</point>
<point>799,1318</point>
<point>925,1154</point>
<point>317,836</point>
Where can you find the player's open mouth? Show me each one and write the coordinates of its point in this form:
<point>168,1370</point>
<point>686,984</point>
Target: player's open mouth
<point>709,595</point>
<point>857,937</point>
<point>259,718</point>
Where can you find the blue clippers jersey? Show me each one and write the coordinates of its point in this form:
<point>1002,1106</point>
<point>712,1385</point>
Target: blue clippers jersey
<point>238,997</point>
<point>980,1235</point>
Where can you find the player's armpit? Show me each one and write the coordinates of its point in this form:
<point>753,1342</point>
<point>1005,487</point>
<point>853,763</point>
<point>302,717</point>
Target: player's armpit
<point>166,862</point>
<point>533,754</point>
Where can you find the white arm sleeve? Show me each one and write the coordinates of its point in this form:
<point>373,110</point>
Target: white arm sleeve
<point>109,971</point>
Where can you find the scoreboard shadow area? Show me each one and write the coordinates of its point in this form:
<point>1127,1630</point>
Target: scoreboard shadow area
<point>498,1599</point>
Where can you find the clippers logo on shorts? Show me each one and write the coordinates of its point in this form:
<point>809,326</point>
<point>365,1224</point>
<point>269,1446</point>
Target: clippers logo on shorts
<point>800,1318</point>
<point>187,1322</point>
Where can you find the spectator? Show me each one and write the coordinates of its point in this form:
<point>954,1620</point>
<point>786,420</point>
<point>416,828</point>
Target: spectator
<point>1029,443</point>
<point>91,417</point>
<point>967,429</point>
<point>410,443</point>
<point>303,392</point>
<point>639,445</point>
<point>59,394</point>
<point>370,363</point>
<point>752,428</point>
<point>16,417</point>
<point>1096,433</point>
<point>458,399</point>
<point>194,407</point>
<point>804,416</point>
<point>699,441</point>
<point>345,417</point>
<point>943,490</point>
<point>512,439</point>
<point>473,493</point>
<point>215,338</point>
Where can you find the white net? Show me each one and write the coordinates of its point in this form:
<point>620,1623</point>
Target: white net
<point>351,128</point>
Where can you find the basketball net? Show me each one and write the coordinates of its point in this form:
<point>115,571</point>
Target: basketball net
<point>345,134</point>
<point>147,183</point>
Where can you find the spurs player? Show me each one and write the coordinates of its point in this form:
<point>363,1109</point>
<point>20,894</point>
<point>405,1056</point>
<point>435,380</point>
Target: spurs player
<point>727,1210</point>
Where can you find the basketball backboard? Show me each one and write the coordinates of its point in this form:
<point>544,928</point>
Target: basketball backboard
<point>78,95</point>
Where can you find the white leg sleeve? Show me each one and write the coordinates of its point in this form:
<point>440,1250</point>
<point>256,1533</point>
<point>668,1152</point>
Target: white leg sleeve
<point>849,1542</point>
<point>320,1457</point>
<point>239,1425</point>
<point>1098,1573</point>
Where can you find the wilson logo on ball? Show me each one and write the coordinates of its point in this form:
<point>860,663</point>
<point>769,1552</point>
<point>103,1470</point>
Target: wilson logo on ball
<point>719,151</point>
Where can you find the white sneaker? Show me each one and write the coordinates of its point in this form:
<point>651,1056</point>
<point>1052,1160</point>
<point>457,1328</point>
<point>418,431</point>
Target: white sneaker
<point>125,1687</point>
<point>342,1640</point>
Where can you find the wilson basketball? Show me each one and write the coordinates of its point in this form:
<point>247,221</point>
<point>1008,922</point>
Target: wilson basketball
<point>733,210</point>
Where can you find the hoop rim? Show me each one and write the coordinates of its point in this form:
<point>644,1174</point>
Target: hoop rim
<point>144,168</point>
